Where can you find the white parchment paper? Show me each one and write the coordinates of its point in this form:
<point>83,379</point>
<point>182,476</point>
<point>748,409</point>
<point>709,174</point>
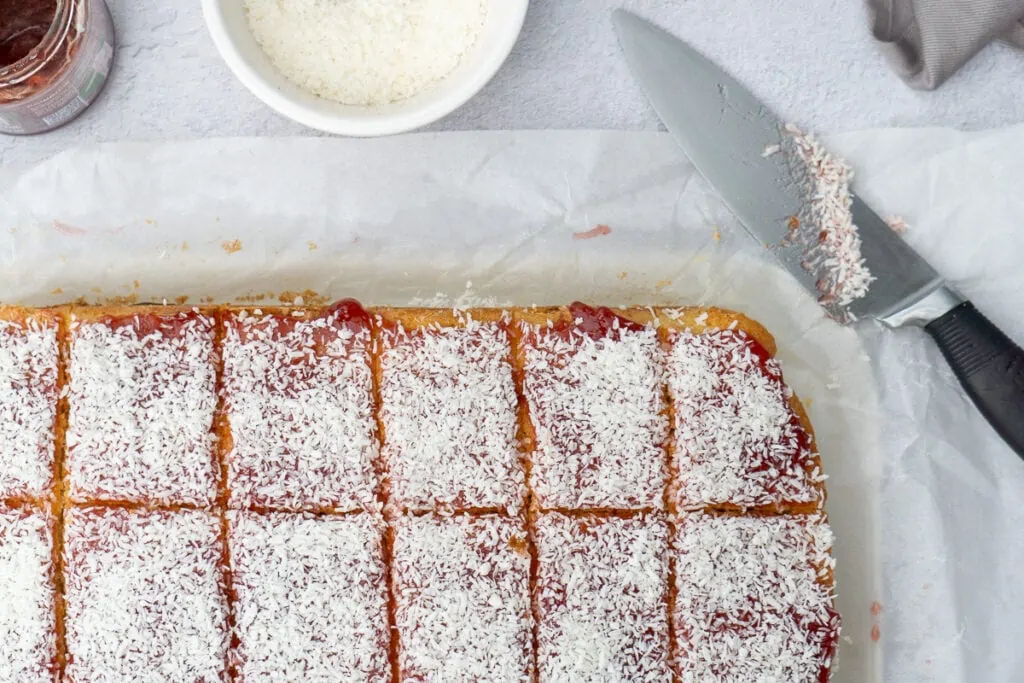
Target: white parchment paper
<point>926,503</point>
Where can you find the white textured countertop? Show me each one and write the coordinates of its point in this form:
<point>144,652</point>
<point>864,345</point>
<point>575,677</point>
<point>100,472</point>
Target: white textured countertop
<point>813,60</point>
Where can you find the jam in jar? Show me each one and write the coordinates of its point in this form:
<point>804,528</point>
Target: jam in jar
<point>55,56</point>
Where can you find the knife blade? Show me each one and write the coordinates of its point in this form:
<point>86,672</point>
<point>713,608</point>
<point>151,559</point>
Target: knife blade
<point>724,130</point>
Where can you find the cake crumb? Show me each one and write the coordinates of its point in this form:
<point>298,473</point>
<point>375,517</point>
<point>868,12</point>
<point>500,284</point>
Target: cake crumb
<point>306,297</point>
<point>231,246</point>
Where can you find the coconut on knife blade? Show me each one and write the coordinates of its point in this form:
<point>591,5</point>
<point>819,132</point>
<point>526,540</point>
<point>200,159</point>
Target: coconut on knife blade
<point>827,238</point>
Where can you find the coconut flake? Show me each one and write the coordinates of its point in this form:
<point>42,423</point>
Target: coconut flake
<point>448,407</point>
<point>737,440</point>
<point>144,596</point>
<point>28,406</point>
<point>299,401</point>
<point>754,599</point>
<point>310,597</point>
<point>28,636</point>
<point>598,412</point>
<point>462,599</point>
<point>141,409</point>
<point>601,591</point>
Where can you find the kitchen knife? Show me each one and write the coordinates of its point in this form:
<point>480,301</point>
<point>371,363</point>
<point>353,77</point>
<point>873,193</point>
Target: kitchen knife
<point>724,130</point>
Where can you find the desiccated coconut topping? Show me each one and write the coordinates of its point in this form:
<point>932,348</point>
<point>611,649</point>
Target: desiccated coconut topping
<point>28,406</point>
<point>754,598</point>
<point>738,442</point>
<point>142,401</point>
<point>144,596</point>
<point>825,228</point>
<point>28,636</point>
<point>365,52</point>
<point>597,409</point>
<point>462,599</point>
<point>147,590</point>
<point>601,591</point>
<point>311,601</point>
<point>299,403</point>
<point>448,407</point>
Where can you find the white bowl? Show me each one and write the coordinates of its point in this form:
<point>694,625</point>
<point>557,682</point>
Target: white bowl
<point>230,30</point>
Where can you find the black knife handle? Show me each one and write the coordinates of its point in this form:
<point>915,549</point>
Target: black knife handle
<point>989,365</point>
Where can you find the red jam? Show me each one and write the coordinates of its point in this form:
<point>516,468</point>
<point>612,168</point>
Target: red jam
<point>761,352</point>
<point>148,323</point>
<point>351,316</point>
<point>596,322</point>
<point>351,313</point>
<point>23,25</point>
<point>829,644</point>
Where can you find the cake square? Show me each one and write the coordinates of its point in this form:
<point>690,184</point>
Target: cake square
<point>598,415</point>
<point>141,407</point>
<point>144,593</point>
<point>754,598</point>
<point>602,591</point>
<point>462,598</point>
<point>739,443</point>
<point>298,394</point>
<point>28,635</point>
<point>28,402</point>
<point>449,411</point>
<point>310,599</point>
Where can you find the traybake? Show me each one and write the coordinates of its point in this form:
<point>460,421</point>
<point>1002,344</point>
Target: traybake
<point>340,493</point>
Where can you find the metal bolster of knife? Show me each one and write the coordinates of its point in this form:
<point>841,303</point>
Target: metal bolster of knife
<point>935,303</point>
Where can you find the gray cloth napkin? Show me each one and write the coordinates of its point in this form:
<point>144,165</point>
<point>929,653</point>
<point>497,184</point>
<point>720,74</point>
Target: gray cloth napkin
<point>928,40</point>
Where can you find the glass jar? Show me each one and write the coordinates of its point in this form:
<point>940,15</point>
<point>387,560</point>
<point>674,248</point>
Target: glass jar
<point>65,71</point>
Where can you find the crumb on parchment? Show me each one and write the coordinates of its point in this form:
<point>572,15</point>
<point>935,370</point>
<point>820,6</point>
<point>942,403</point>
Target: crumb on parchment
<point>304,298</point>
<point>231,246</point>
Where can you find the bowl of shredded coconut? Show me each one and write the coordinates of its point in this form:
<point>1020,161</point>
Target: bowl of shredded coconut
<point>364,67</point>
